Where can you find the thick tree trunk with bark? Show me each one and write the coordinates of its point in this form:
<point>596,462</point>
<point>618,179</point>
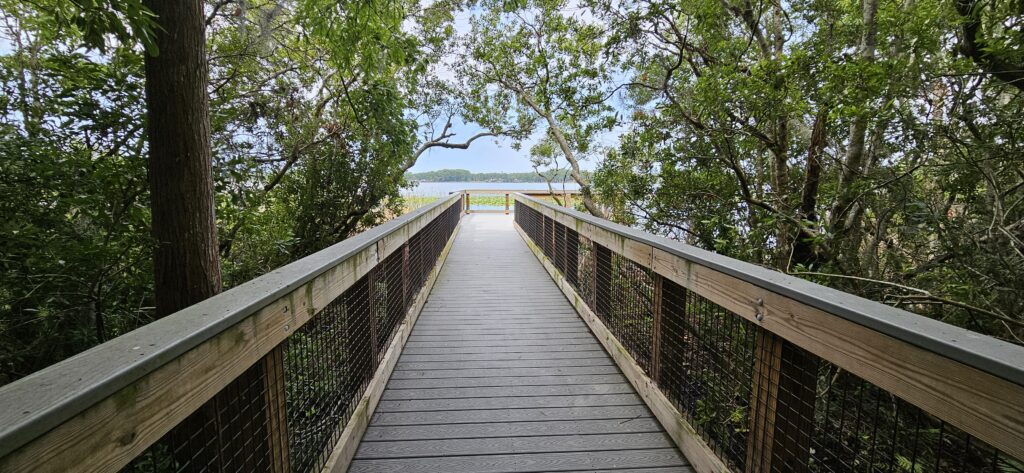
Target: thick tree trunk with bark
<point>186,263</point>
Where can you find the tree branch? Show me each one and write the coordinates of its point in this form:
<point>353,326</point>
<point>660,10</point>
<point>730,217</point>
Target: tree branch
<point>441,142</point>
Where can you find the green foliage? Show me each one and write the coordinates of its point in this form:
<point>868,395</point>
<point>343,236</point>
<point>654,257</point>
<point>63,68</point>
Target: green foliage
<point>100,22</point>
<point>531,62</point>
<point>310,135</point>
<point>723,111</point>
<point>74,257</point>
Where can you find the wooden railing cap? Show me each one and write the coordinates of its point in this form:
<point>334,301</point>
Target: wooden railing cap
<point>987,354</point>
<point>31,406</point>
<point>517,191</point>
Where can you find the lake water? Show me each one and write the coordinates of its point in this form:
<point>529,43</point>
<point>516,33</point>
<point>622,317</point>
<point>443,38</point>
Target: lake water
<point>440,189</point>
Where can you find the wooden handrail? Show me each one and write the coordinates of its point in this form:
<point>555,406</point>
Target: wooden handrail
<point>969,380</point>
<point>565,194</point>
<point>517,191</point>
<point>103,407</point>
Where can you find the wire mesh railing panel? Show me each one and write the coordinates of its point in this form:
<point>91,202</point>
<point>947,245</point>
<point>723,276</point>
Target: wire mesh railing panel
<point>624,301</point>
<point>234,431</point>
<point>390,301</point>
<point>760,403</point>
<point>706,361</point>
<point>559,247</point>
<point>858,426</point>
<point>288,411</point>
<point>572,258</point>
<point>327,363</point>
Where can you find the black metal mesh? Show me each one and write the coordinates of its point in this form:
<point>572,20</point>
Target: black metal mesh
<point>329,362</point>
<point>559,247</point>
<point>706,361</point>
<point>288,410</point>
<point>624,301</point>
<point>761,403</point>
<point>231,432</point>
<point>861,427</point>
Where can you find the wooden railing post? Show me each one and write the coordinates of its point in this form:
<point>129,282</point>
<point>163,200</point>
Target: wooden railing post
<point>467,202</point>
<point>276,410</point>
<point>506,204</point>
<point>781,406</point>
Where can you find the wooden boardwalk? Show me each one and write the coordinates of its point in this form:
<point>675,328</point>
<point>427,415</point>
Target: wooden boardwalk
<point>500,374</point>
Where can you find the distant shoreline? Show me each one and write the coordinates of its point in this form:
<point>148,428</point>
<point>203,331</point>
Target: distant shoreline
<point>463,175</point>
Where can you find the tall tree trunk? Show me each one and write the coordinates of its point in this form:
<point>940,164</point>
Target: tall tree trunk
<point>186,263</point>
<point>804,251</point>
<point>853,164</point>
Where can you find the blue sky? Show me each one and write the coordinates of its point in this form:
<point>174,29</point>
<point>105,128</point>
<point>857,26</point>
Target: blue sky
<point>485,155</point>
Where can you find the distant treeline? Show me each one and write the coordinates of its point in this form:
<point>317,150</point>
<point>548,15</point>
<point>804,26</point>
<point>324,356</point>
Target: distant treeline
<point>462,175</point>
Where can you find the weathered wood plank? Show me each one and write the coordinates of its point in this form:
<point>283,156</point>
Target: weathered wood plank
<point>512,402</point>
<point>502,329</point>
<point>508,349</point>
<point>502,343</point>
<point>511,429</point>
<point>508,391</point>
<point>504,363</point>
<point>505,381</point>
<point>481,337</point>
<point>509,415</point>
<point>486,373</point>
<point>503,324</point>
<point>533,355</point>
<point>507,445</point>
<point>527,462</point>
